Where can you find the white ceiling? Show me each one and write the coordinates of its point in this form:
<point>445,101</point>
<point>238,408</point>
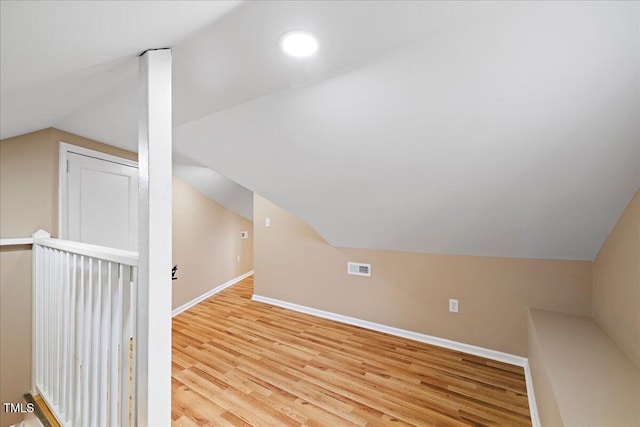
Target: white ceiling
<point>484,128</point>
<point>57,56</point>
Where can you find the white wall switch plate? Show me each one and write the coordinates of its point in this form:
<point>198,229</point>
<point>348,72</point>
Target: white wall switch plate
<point>453,305</point>
<point>238,258</point>
<point>267,222</point>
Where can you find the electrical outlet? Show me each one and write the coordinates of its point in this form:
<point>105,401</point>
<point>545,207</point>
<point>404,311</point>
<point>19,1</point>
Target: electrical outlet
<point>453,305</point>
<point>238,258</point>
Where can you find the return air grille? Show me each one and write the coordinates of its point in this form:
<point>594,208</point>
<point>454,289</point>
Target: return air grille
<point>359,269</point>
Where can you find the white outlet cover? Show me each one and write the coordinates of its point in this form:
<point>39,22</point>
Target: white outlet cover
<point>453,305</point>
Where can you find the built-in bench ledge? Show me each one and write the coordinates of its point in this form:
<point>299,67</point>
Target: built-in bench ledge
<point>580,376</point>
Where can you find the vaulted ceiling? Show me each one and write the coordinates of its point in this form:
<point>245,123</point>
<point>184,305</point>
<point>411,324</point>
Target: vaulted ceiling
<point>483,128</point>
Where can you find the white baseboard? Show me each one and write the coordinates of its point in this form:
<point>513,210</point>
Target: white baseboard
<point>415,336</point>
<point>207,294</point>
<point>533,407</point>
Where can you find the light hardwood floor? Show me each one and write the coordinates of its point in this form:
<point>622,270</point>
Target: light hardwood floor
<point>238,362</point>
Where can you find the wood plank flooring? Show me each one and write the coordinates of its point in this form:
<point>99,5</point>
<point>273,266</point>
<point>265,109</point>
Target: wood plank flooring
<point>237,362</point>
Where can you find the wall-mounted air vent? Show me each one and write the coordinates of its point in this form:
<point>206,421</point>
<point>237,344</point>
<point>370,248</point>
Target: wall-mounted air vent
<point>359,269</point>
<point>244,234</point>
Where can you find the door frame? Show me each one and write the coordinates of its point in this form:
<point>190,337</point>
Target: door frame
<point>63,157</point>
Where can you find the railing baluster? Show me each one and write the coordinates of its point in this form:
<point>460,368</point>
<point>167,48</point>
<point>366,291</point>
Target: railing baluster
<point>125,342</point>
<point>45,314</point>
<point>64,383</point>
<point>51,321</point>
<point>105,310</point>
<point>55,372</point>
<point>95,340</point>
<point>59,336</point>
<point>39,313</point>
<point>56,325</point>
<point>62,332</point>
<point>116,332</point>
<point>51,316</point>
<point>80,346</point>
<point>44,318</point>
<point>72,340</point>
<point>66,316</point>
<point>50,326</point>
<point>86,360</point>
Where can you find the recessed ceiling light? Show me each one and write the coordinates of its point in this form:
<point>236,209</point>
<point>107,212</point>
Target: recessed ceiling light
<point>300,44</point>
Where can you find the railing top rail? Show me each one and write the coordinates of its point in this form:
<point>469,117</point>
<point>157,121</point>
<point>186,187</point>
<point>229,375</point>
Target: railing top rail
<point>20,241</point>
<point>100,252</point>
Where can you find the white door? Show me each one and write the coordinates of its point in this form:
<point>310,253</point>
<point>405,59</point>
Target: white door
<point>102,202</point>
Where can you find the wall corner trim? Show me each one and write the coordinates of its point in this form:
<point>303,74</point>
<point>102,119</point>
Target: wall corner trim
<point>415,336</point>
<point>533,407</point>
<point>207,294</point>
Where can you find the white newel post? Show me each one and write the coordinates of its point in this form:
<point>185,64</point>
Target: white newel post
<point>153,324</point>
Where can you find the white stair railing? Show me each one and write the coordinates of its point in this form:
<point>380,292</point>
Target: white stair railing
<point>83,331</point>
